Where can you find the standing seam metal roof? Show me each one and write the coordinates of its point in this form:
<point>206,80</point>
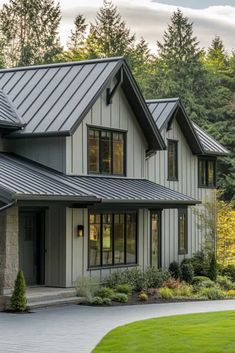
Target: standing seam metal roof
<point>8,115</point>
<point>163,109</point>
<point>22,179</point>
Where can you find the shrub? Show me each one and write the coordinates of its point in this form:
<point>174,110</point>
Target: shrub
<point>230,293</point>
<point>154,277</point>
<point>224,282</point>
<point>107,301</point>
<point>132,277</point>
<point>212,293</point>
<point>120,297</point>
<point>124,288</point>
<point>187,272</point>
<point>18,298</point>
<point>165,293</point>
<point>171,283</point>
<point>212,273</point>
<point>174,270</point>
<point>86,287</point>
<point>184,290</point>
<point>104,292</point>
<point>229,271</point>
<point>200,279</point>
<point>205,284</point>
<point>143,297</point>
<point>200,262</point>
<point>96,301</point>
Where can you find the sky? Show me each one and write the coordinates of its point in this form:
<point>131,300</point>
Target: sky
<point>149,18</point>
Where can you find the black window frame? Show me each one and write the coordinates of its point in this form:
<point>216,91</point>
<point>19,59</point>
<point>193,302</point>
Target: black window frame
<point>207,185</point>
<point>113,265</point>
<point>175,143</point>
<point>183,211</point>
<point>111,131</point>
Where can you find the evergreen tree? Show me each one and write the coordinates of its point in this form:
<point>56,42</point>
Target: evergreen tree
<point>29,30</point>
<point>109,35</point>
<point>18,299</point>
<point>77,41</point>
<point>179,70</point>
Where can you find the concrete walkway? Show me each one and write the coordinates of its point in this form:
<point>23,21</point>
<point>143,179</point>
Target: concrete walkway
<point>77,329</point>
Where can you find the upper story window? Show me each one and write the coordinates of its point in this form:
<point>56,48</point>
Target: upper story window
<point>206,172</point>
<point>172,160</point>
<point>106,151</point>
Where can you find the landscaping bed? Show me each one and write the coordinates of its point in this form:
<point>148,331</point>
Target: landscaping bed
<point>196,279</point>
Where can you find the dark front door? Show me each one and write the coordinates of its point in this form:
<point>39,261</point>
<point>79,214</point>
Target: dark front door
<point>32,246</point>
<point>155,232</point>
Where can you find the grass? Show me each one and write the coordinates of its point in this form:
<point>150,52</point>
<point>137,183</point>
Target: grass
<point>196,333</point>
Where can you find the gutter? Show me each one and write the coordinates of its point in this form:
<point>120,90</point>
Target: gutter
<point>12,203</point>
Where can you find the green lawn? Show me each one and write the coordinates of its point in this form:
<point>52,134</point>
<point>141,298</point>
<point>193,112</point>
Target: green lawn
<point>197,333</point>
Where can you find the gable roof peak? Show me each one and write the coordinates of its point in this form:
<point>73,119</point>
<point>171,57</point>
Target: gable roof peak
<point>64,64</point>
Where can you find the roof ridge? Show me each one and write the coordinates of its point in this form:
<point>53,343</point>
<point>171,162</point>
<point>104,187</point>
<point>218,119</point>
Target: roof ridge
<point>158,100</point>
<point>62,64</point>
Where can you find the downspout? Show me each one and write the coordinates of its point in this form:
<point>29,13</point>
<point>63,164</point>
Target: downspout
<point>8,205</point>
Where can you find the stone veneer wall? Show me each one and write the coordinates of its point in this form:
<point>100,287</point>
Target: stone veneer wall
<point>9,249</point>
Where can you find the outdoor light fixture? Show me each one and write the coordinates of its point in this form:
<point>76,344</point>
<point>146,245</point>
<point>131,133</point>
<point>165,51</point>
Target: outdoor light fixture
<point>80,230</point>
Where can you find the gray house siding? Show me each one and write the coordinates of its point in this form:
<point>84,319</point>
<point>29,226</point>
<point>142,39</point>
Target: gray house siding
<point>49,151</point>
<point>117,115</point>
<point>157,171</point>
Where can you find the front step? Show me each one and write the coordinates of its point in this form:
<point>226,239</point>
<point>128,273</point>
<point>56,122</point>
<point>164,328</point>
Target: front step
<point>54,302</point>
<point>39,297</point>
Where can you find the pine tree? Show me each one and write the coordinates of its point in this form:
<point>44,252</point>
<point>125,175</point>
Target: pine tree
<point>109,35</point>
<point>29,30</point>
<point>179,70</point>
<point>18,299</point>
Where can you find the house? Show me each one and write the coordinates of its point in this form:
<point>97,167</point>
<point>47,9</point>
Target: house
<point>93,178</point>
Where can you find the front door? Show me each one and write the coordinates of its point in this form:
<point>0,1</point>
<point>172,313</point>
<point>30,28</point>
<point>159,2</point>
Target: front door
<point>32,246</point>
<point>155,235</point>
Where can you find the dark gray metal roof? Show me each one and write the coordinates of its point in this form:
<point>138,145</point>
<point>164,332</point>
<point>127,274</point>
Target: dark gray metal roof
<point>9,118</point>
<point>129,190</point>
<point>53,99</point>
<point>21,179</point>
<point>163,111</point>
<point>210,145</point>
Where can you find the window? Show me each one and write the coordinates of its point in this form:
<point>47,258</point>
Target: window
<point>155,256</point>
<point>206,172</point>
<point>106,152</point>
<point>183,231</point>
<point>172,160</point>
<point>112,239</point>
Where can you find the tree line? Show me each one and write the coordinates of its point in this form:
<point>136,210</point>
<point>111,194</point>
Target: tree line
<point>203,79</point>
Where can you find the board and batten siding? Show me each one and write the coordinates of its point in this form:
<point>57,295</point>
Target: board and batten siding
<point>157,171</point>
<point>117,115</point>
<point>77,248</point>
<point>49,151</point>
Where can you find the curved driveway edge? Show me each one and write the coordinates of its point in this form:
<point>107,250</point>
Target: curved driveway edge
<point>77,329</point>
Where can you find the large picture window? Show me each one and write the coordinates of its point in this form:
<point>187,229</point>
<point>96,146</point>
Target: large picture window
<point>183,231</point>
<point>112,239</point>
<point>106,152</point>
<point>206,173</point>
<point>172,160</point>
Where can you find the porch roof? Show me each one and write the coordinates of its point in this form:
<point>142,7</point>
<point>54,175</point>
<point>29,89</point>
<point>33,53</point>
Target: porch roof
<point>22,179</point>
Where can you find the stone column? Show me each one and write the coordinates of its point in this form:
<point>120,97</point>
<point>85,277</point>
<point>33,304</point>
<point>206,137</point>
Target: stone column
<point>9,248</point>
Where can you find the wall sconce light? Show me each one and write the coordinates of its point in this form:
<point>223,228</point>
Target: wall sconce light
<point>80,231</point>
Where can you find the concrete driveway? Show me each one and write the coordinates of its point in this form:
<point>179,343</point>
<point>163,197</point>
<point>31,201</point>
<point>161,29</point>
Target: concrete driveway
<point>77,329</point>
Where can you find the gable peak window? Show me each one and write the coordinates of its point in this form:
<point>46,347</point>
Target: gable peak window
<point>106,151</point>
<point>207,172</point>
<point>172,149</point>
